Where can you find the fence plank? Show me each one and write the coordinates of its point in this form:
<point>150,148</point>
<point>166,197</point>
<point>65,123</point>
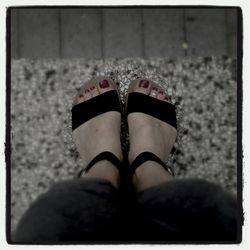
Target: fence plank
<point>122,32</point>
<point>39,33</point>
<point>81,32</point>
<point>14,43</point>
<point>164,34</point>
<point>231,27</point>
<point>205,29</point>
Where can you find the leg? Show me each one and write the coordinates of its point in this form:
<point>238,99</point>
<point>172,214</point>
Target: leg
<point>101,133</point>
<point>84,209</point>
<point>150,174</point>
<point>168,209</point>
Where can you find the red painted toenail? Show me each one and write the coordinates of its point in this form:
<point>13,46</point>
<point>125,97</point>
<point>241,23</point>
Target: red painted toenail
<point>154,88</point>
<point>161,92</point>
<point>144,83</point>
<point>86,91</point>
<point>104,84</point>
<point>92,88</point>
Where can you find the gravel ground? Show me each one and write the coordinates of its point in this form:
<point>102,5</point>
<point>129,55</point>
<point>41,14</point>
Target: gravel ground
<point>42,91</point>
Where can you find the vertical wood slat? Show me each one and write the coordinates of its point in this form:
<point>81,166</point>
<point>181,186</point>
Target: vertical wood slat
<point>81,32</point>
<point>14,42</point>
<point>39,33</point>
<point>231,31</point>
<point>205,29</point>
<point>164,33</point>
<point>122,32</point>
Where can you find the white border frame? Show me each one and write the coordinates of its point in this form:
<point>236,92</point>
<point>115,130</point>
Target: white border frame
<point>246,123</point>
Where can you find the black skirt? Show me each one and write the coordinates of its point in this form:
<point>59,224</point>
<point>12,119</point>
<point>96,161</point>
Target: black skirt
<point>87,211</point>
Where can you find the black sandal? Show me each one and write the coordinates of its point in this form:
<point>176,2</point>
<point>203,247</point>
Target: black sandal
<point>148,156</point>
<point>106,155</point>
<point>164,111</point>
<point>82,112</point>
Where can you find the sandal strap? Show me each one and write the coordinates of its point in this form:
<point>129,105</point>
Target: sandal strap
<point>148,156</point>
<point>164,111</point>
<point>106,155</point>
<point>82,112</point>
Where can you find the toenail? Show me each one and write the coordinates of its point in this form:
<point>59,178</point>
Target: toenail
<point>92,88</point>
<point>86,91</point>
<point>144,83</point>
<point>154,88</point>
<point>161,92</point>
<point>80,95</point>
<point>104,84</point>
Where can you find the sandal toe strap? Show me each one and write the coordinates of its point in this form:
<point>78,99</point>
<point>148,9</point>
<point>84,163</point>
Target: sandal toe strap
<point>148,156</point>
<point>93,107</point>
<point>164,111</point>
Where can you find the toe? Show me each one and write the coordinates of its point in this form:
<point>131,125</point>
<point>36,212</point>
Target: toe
<point>167,98</point>
<point>79,98</point>
<point>104,84</point>
<point>154,91</point>
<point>161,94</point>
<point>94,91</point>
<point>87,94</point>
<point>142,86</point>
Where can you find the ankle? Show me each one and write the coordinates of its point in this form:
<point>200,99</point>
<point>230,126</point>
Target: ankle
<point>150,174</point>
<point>105,170</point>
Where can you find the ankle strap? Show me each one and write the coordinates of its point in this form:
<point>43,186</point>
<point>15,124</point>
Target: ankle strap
<point>148,156</point>
<point>106,155</point>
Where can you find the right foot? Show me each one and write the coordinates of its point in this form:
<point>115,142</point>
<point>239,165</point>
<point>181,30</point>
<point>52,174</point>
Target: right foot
<point>101,133</point>
<point>148,133</point>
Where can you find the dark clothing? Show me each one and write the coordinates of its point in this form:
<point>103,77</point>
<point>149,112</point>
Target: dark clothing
<point>93,211</point>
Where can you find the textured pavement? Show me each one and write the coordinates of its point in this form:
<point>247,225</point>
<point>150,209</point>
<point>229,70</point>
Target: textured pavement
<point>204,90</point>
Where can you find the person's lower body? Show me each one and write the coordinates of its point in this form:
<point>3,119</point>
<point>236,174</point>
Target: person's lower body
<point>91,211</point>
<point>187,210</point>
<point>96,208</point>
<point>76,210</point>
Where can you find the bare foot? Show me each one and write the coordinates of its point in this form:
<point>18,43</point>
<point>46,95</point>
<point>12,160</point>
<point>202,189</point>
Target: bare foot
<point>101,133</point>
<point>148,133</point>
